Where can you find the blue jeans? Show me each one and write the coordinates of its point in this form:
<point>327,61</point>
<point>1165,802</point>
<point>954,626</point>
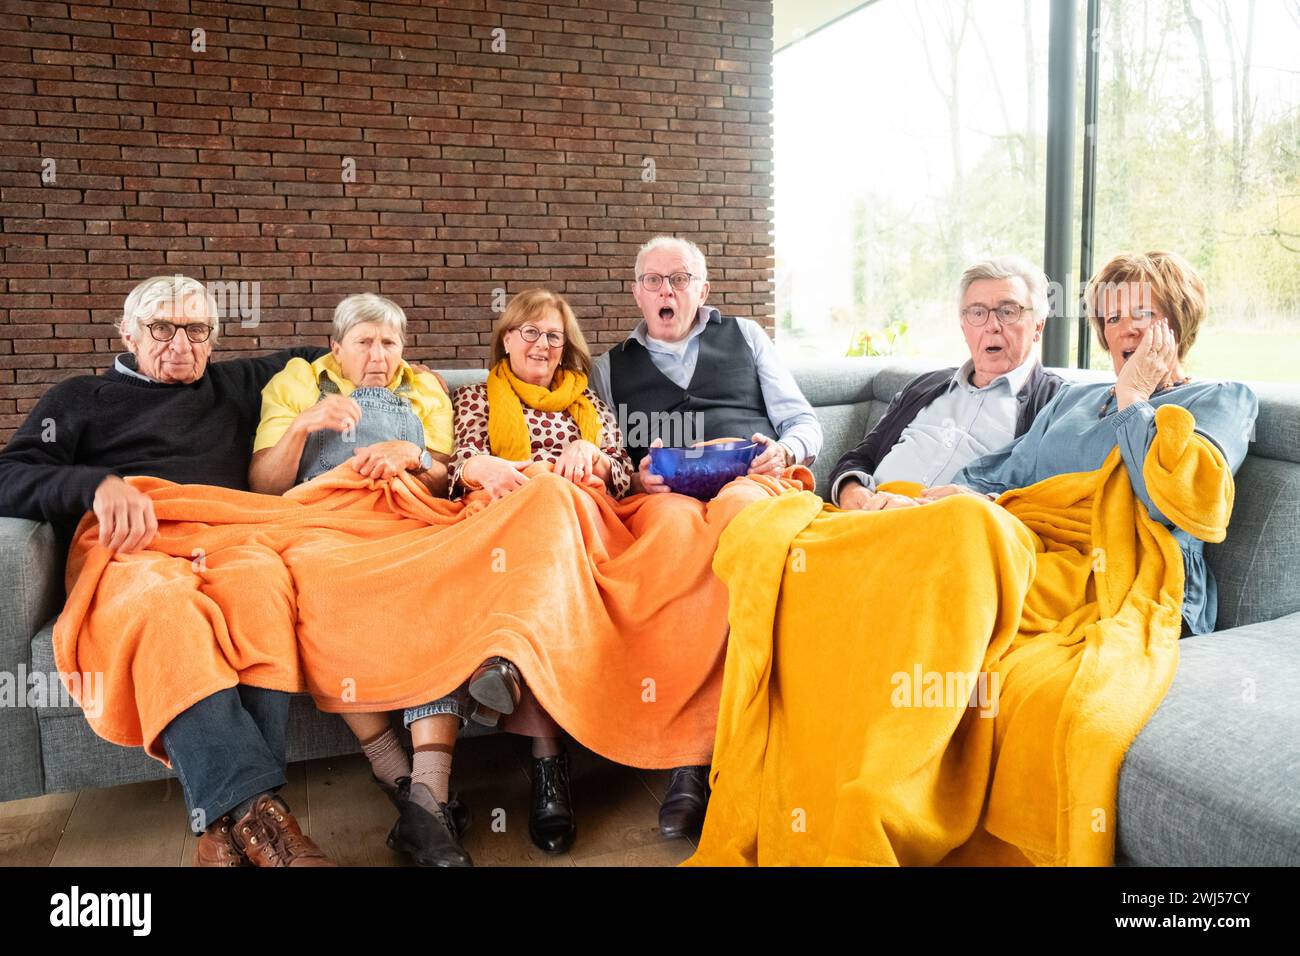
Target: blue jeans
<point>457,702</point>
<point>228,748</point>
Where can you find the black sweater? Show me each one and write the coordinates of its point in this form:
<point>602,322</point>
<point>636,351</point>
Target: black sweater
<point>92,426</point>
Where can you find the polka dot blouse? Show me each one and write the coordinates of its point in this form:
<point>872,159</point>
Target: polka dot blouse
<point>551,432</point>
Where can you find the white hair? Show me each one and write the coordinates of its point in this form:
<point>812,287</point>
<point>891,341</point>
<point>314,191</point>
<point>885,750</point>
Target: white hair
<point>1011,267</point>
<point>690,250</point>
<point>154,295</point>
<point>367,307</point>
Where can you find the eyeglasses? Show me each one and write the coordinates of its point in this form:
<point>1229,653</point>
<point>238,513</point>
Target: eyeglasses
<point>653,281</point>
<point>1008,313</point>
<point>166,331</point>
<point>532,333</point>
<point>1140,318</point>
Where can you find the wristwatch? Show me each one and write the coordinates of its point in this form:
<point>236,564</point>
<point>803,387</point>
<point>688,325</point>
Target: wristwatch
<point>426,462</point>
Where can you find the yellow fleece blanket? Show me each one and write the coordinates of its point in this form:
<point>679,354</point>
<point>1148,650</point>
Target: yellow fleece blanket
<point>952,683</point>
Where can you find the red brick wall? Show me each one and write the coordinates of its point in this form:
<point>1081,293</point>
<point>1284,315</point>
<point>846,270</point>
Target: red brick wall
<point>475,169</point>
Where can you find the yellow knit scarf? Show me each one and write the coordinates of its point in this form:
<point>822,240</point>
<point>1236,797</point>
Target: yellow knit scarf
<point>508,434</point>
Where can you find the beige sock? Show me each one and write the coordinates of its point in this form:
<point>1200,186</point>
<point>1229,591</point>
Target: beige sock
<point>387,757</point>
<point>432,768</point>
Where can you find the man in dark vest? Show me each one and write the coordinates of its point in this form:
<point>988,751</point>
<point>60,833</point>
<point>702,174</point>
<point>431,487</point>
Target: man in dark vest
<point>943,420</point>
<point>686,374</point>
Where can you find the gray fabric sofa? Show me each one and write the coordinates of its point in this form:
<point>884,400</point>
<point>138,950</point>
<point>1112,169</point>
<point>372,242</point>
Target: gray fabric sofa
<point>1214,777</point>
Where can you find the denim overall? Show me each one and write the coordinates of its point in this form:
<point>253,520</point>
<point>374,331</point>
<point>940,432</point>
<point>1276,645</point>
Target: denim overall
<point>385,416</point>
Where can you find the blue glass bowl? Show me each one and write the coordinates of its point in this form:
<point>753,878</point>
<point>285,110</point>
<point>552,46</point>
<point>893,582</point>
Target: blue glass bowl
<point>701,472</point>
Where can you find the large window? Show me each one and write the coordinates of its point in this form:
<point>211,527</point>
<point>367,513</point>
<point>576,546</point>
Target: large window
<point>910,141</point>
<point>1198,150</point>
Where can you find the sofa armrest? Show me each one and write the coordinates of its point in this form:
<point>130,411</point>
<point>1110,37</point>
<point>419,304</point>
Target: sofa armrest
<point>31,565</point>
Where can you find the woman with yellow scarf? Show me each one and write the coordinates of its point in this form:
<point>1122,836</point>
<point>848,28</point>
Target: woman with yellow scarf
<point>535,407</point>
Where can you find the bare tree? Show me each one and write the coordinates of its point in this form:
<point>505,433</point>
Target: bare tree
<point>1243,105</point>
<point>1207,91</point>
<point>950,26</point>
<point>1031,99</point>
<point>1010,137</point>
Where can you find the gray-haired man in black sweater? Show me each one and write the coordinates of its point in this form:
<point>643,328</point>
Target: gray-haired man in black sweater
<point>164,411</point>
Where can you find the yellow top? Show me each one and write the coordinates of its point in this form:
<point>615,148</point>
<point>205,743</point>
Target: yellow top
<point>295,388</point>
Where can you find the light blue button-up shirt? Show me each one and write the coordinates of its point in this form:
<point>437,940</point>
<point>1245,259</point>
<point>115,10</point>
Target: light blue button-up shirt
<point>958,426</point>
<point>795,421</point>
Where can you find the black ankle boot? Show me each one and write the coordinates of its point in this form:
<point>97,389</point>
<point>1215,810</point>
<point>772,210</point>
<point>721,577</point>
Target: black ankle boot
<point>550,817</point>
<point>432,838</point>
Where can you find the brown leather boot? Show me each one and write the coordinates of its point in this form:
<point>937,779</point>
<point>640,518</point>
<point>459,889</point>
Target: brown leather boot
<point>216,848</point>
<point>268,835</point>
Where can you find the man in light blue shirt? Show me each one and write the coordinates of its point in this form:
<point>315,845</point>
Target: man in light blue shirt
<point>942,420</point>
<point>687,373</point>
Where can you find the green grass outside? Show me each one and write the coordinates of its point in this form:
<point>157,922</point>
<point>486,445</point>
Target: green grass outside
<point>1246,356</point>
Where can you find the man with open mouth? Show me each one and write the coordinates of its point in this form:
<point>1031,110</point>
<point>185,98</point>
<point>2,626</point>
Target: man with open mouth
<point>945,419</point>
<point>688,373</point>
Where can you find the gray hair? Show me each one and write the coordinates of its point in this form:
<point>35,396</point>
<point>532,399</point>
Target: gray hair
<point>1011,267</point>
<point>153,295</point>
<point>687,248</point>
<point>367,307</point>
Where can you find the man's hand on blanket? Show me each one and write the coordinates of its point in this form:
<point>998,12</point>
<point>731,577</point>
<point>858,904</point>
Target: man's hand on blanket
<point>126,516</point>
<point>385,459</point>
<point>647,481</point>
<point>497,476</point>
<point>945,491</point>
<point>856,497</point>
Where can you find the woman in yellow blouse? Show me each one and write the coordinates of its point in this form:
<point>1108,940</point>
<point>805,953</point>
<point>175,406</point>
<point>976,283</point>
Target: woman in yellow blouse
<point>363,404</point>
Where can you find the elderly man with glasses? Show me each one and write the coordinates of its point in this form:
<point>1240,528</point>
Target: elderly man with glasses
<point>685,374</point>
<point>164,410</point>
<point>942,420</point>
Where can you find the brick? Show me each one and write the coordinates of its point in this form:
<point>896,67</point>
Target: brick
<point>475,170</point>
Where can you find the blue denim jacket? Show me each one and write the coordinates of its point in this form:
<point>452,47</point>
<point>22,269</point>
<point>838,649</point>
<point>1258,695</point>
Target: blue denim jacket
<point>1073,434</point>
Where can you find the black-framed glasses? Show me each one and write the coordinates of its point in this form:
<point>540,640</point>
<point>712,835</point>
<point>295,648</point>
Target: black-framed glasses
<point>532,333</point>
<point>166,331</point>
<point>653,281</point>
<point>1008,313</point>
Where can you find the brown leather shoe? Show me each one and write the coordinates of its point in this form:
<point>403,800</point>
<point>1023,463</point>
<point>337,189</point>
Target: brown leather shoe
<point>216,848</point>
<point>268,835</point>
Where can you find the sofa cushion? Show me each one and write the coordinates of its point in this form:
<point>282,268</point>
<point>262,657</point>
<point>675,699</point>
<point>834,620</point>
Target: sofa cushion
<point>1277,429</point>
<point>1214,777</point>
<point>1255,566</point>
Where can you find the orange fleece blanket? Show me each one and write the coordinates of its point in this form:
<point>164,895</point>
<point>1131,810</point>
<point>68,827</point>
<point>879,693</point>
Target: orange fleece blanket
<point>373,595</point>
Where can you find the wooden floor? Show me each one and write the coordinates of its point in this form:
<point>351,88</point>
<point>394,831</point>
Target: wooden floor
<point>339,806</point>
